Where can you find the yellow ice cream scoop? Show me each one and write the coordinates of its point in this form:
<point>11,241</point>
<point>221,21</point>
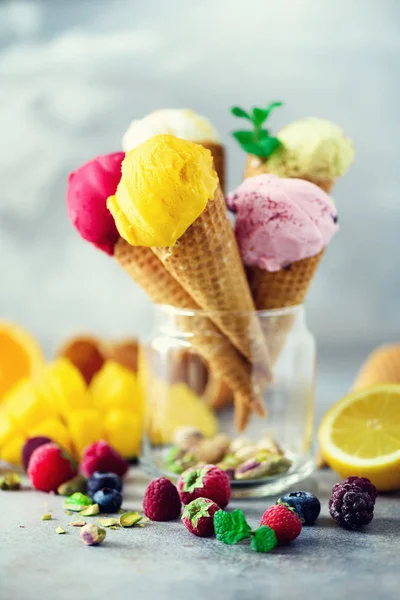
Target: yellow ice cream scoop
<point>165,185</point>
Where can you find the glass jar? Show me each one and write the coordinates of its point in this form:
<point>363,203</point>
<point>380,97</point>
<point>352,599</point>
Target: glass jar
<point>191,374</point>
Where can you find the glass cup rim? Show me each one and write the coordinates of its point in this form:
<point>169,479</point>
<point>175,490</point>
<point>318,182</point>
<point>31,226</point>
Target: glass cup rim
<point>188,312</point>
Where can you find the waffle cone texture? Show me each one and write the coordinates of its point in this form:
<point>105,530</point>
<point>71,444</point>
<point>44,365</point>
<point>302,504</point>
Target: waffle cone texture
<point>207,264</point>
<point>143,266</point>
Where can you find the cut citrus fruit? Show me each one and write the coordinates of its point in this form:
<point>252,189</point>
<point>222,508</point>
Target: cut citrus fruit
<point>20,355</point>
<point>360,435</point>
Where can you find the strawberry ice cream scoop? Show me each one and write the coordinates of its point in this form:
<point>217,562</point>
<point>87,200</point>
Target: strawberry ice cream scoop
<point>87,192</point>
<point>281,221</point>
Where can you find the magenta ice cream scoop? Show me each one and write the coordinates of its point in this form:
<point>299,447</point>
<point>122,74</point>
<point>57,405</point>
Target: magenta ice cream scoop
<point>280,221</point>
<point>87,192</point>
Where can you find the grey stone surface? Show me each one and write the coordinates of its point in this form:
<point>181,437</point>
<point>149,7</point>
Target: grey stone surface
<point>73,74</point>
<point>163,560</point>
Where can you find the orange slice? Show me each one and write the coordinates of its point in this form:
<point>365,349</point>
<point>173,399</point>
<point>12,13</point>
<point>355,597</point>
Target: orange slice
<point>360,435</point>
<point>20,355</point>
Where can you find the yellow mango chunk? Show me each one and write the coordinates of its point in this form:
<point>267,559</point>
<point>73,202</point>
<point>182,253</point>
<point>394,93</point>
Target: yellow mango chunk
<point>85,427</point>
<point>63,385</point>
<point>7,428</point>
<point>26,406</point>
<point>123,431</point>
<point>11,452</point>
<point>115,386</point>
<point>55,430</point>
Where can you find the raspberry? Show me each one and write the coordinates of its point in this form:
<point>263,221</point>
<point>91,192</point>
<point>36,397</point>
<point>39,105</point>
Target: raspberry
<point>363,483</point>
<point>284,521</point>
<point>161,500</point>
<point>49,467</point>
<point>350,506</point>
<point>99,456</point>
<point>205,482</point>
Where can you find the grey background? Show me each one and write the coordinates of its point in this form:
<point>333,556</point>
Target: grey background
<point>73,74</point>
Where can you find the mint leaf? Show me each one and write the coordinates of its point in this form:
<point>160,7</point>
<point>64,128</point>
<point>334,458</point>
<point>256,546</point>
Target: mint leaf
<point>271,107</point>
<point>254,148</point>
<point>231,528</point>
<point>264,539</point>
<point>259,116</point>
<point>243,137</point>
<point>239,112</point>
<point>268,145</point>
<point>259,141</point>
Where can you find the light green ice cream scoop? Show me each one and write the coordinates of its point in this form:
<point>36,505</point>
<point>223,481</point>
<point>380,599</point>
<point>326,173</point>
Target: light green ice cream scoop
<point>313,149</point>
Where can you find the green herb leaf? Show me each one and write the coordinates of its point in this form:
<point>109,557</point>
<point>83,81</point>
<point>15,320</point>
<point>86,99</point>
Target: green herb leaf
<point>239,112</point>
<point>271,107</point>
<point>231,528</point>
<point>244,137</point>
<point>268,145</point>
<point>264,539</point>
<point>254,148</point>
<point>259,116</point>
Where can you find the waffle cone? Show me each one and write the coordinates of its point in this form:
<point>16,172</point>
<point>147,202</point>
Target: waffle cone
<point>258,166</point>
<point>206,262</point>
<point>279,290</point>
<point>145,268</point>
<point>381,366</point>
<point>218,152</point>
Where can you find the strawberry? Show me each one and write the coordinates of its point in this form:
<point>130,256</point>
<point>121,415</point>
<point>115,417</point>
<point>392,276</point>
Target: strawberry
<point>284,521</point>
<point>161,500</point>
<point>198,517</point>
<point>49,467</point>
<point>99,456</point>
<point>208,481</point>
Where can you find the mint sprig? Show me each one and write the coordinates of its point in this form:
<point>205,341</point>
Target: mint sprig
<point>231,528</point>
<point>257,141</point>
<point>263,539</point>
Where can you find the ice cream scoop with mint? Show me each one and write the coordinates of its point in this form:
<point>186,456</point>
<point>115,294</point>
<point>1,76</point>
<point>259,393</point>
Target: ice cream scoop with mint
<point>283,227</point>
<point>312,149</point>
<point>182,123</point>
<point>88,190</point>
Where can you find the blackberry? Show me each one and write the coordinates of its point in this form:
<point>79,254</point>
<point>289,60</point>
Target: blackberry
<point>364,484</point>
<point>306,505</point>
<point>350,506</point>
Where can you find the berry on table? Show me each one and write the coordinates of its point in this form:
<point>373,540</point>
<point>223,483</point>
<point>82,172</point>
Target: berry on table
<point>284,521</point>
<point>161,500</point>
<point>30,445</point>
<point>306,505</point>
<point>208,481</point>
<point>350,506</point>
<point>109,500</point>
<point>100,456</point>
<point>98,481</point>
<point>49,467</point>
<point>198,517</point>
<point>363,483</point>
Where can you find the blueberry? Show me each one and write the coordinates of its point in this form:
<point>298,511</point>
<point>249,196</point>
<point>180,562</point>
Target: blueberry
<point>98,481</point>
<point>305,504</point>
<point>109,500</point>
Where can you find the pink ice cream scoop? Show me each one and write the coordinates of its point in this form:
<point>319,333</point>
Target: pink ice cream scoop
<point>87,193</point>
<point>280,221</point>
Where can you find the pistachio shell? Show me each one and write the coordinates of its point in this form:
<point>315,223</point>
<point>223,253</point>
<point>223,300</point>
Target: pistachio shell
<point>129,519</point>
